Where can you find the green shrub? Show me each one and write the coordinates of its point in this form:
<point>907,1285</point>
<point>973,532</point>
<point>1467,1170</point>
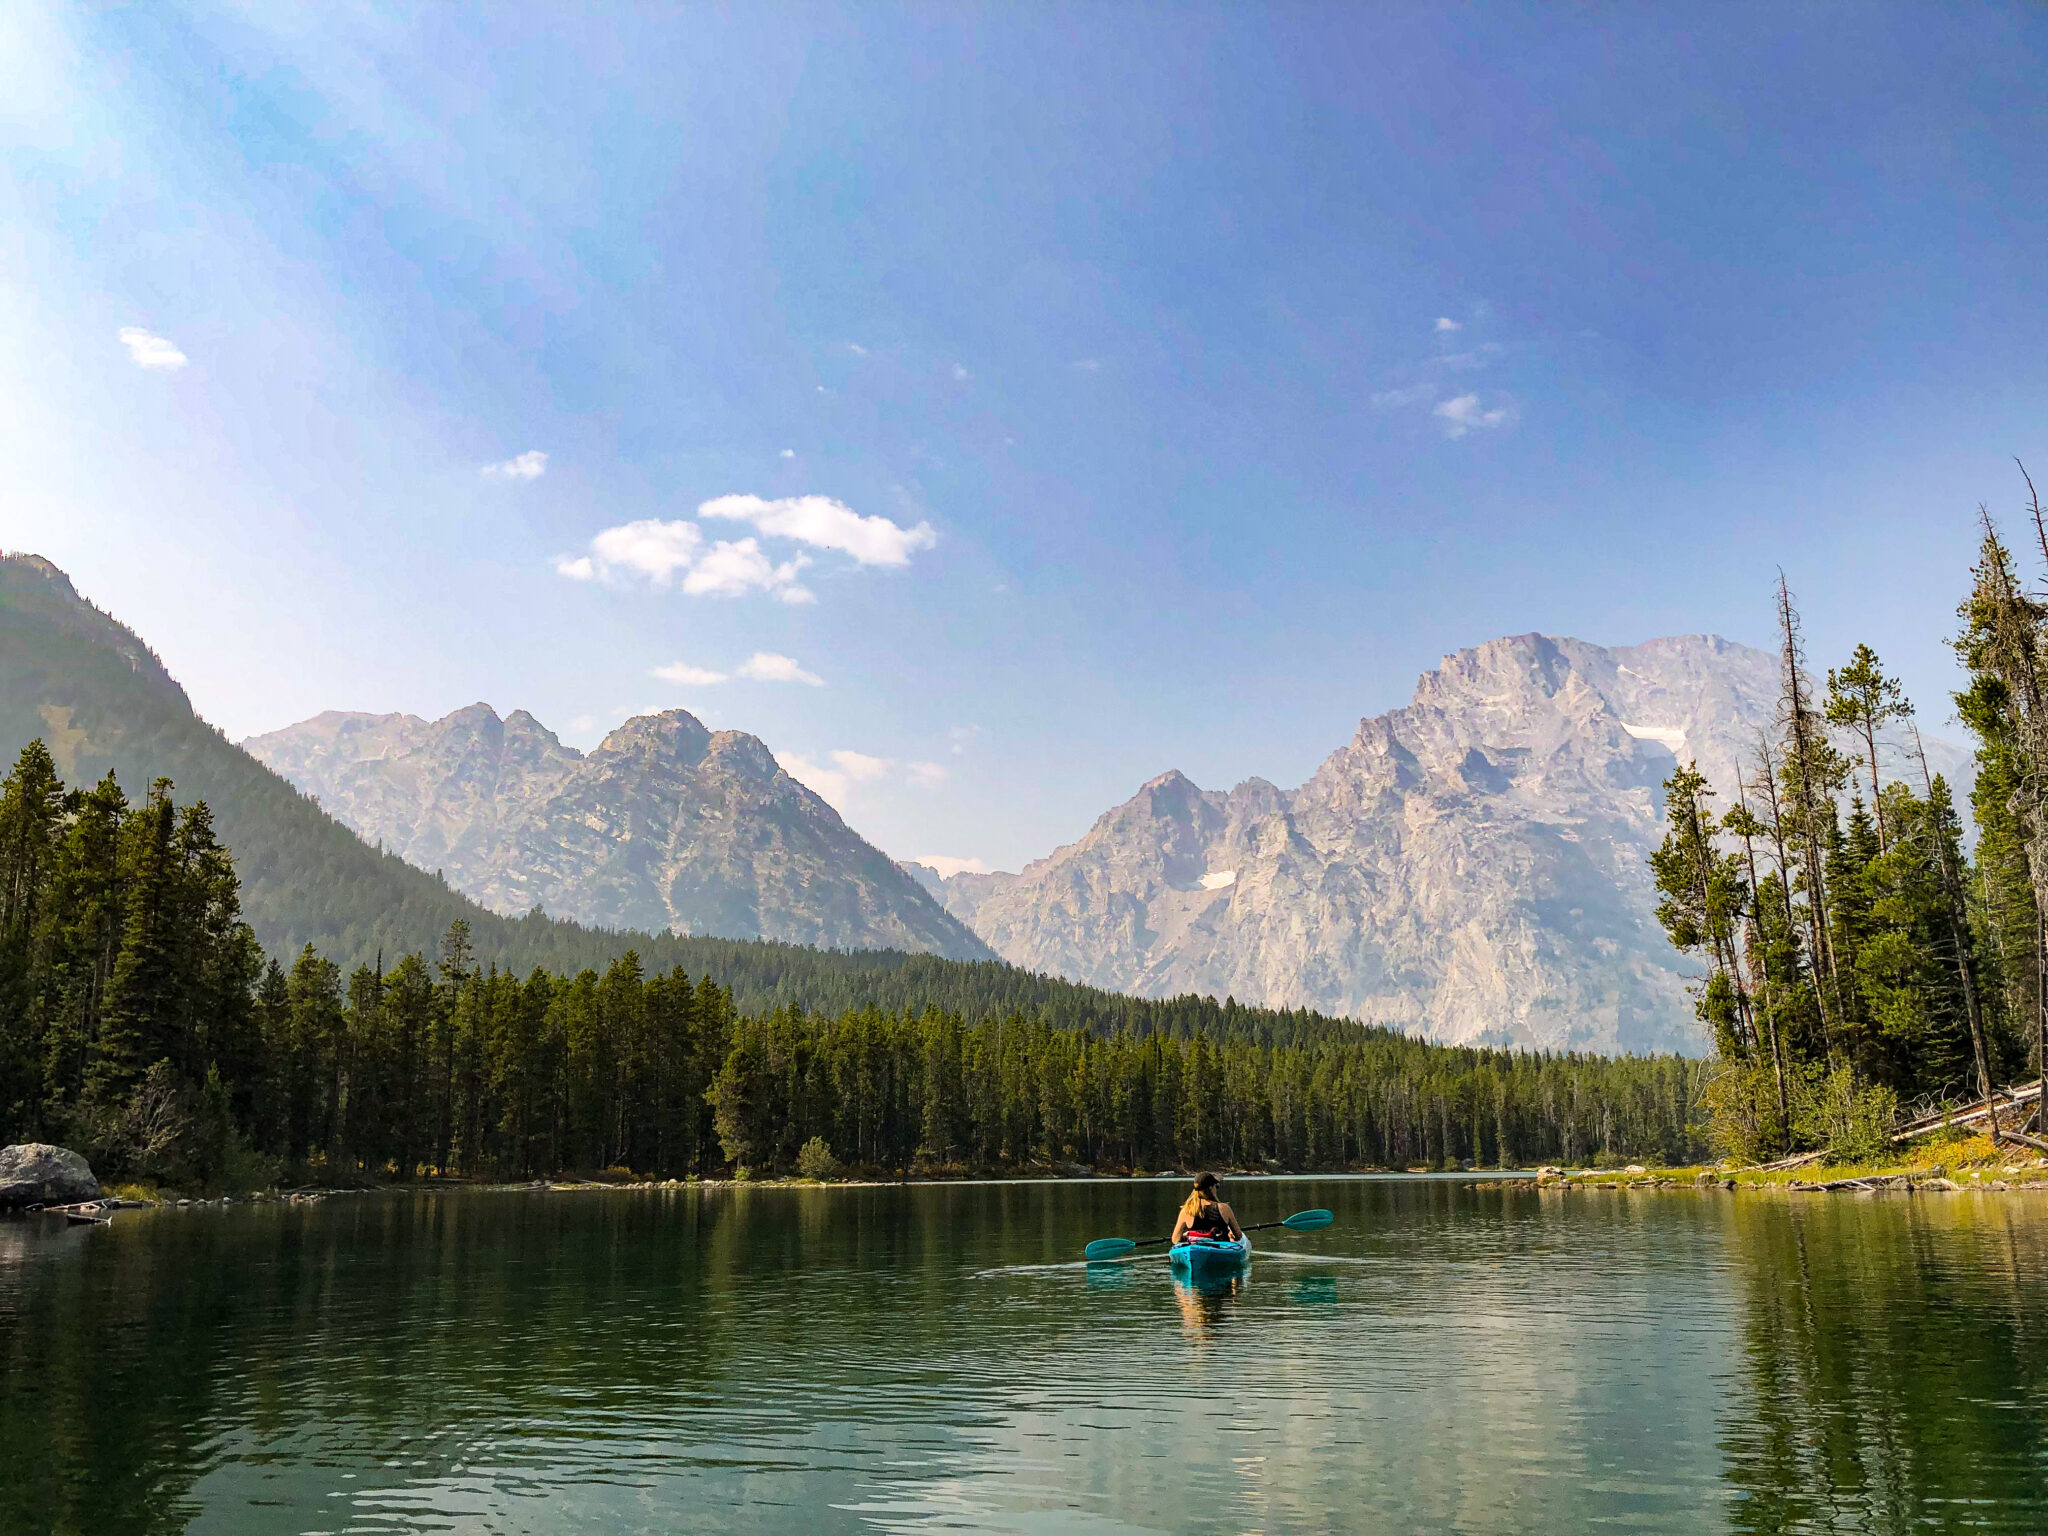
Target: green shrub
<point>1852,1118</point>
<point>815,1160</point>
<point>1741,1101</point>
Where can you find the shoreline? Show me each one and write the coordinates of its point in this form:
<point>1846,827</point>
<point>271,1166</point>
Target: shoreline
<point>1967,1168</point>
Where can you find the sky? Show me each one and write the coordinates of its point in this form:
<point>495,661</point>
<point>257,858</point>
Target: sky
<point>992,407</point>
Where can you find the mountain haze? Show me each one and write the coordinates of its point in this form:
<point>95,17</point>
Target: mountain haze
<point>665,826</point>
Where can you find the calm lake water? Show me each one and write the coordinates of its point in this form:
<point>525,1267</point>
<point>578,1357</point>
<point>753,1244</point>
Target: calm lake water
<point>919,1359</point>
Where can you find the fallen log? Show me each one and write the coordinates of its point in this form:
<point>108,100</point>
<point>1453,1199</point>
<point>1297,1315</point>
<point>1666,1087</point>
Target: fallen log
<point>1969,1114</point>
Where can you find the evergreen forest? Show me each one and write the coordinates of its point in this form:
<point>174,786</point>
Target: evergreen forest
<point>1858,961</point>
<point>141,1022</point>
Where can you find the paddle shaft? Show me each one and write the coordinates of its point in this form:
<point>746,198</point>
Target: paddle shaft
<point>1151,1242</point>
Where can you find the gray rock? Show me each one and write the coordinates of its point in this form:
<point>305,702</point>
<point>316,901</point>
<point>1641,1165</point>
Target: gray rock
<point>665,826</point>
<point>36,1173</point>
<point>1473,867</point>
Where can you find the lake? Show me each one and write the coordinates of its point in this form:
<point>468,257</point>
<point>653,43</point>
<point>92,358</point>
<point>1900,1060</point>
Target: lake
<point>925,1358</point>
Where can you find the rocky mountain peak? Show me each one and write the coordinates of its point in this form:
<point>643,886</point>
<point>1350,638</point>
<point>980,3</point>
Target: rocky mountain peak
<point>1472,865</point>
<point>742,753</point>
<point>670,733</point>
<point>665,825</point>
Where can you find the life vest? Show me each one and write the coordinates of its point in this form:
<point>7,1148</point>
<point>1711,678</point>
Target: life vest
<point>1208,1222</point>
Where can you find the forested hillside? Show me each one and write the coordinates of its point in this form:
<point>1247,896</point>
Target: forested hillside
<point>140,1021</point>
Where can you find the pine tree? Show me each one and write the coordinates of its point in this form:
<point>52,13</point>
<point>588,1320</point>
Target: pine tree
<point>1863,699</point>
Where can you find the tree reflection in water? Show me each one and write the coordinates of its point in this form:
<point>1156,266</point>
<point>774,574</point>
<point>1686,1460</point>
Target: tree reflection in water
<point>1892,1363</point>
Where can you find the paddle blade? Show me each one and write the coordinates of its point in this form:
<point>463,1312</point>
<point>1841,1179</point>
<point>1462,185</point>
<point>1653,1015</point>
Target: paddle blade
<point>1309,1221</point>
<point>1108,1248</point>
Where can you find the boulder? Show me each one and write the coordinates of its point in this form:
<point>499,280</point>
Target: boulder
<point>35,1173</point>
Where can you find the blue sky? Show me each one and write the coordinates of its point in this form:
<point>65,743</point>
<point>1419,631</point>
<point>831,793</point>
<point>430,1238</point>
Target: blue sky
<point>1087,391</point>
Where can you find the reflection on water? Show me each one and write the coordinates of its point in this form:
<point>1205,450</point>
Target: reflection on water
<point>1892,1355</point>
<point>1205,1301</point>
<point>1443,1359</point>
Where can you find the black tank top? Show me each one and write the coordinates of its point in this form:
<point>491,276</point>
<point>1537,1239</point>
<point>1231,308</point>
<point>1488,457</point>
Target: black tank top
<point>1208,1221</point>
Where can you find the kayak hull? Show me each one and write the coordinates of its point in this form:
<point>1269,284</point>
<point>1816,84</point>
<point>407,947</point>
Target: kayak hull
<point>1202,1256</point>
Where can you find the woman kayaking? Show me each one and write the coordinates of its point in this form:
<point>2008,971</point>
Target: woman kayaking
<point>1202,1215</point>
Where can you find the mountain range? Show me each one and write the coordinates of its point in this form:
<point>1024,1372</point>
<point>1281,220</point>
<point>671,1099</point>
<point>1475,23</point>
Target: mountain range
<point>1473,866</point>
<point>103,702</point>
<point>665,827</point>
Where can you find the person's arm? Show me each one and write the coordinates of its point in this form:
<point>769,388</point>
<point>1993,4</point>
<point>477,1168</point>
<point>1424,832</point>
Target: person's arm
<point>1180,1229</point>
<point>1230,1216</point>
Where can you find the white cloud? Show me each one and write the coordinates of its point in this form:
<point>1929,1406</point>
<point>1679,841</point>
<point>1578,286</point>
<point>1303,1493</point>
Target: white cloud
<point>1446,323</point>
<point>684,675</point>
<point>1464,413</point>
<point>859,767</point>
<point>1392,399</point>
<point>960,374</point>
<point>963,736</point>
<point>927,775</point>
<point>829,784</point>
<point>787,453</point>
<point>733,568</point>
<point>675,553</point>
<point>826,524</point>
<point>530,465</point>
<point>149,351</point>
<point>856,349</point>
<point>1089,364</point>
<point>649,548</point>
<point>948,866</point>
<point>767,667</point>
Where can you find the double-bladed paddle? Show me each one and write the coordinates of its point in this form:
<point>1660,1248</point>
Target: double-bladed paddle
<point>1117,1247</point>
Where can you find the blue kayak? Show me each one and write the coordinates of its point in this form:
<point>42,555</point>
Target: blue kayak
<point>1207,1256</point>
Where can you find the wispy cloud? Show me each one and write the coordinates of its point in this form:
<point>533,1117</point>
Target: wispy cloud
<point>1465,414</point>
<point>1477,357</point>
<point>530,465</point>
<point>826,524</point>
<point>684,675</point>
<point>960,373</point>
<point>840,773</point>
<point>948,866</point>
<point>147,350</point>
<point>828,784</point>
<point>761,667</point>
<point>767,667</point>
<point>1394,399</point>
<point>859,767</point>
<point>1089,364</point>
<point>1446,323</point>
<point>787,453</point>
<point>833,782</point>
